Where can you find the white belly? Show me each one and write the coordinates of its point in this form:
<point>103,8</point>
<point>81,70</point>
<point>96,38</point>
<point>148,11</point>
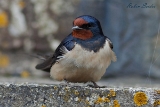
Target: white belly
<point>80,65</point>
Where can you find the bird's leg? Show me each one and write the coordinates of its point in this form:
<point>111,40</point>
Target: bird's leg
<point>95,85</point>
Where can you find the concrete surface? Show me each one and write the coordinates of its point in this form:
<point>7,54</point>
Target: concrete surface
<point>21,94</point>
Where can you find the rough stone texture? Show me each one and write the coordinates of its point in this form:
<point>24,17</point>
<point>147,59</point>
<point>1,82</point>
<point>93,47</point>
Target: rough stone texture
<point>36,95</point>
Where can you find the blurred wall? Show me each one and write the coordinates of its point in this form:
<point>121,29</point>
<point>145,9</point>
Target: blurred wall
<point>34,26</point>
<point>134,32</point>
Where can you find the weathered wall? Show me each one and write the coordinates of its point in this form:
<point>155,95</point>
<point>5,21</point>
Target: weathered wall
<point>34,24</point>
<point>39,25</point>
<point>35,95</point>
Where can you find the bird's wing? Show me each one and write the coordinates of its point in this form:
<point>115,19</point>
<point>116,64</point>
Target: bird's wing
<point>66,45</point>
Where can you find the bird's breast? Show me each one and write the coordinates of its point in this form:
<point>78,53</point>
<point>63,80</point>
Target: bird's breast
<point>80,57</point>
<point>81,63</point>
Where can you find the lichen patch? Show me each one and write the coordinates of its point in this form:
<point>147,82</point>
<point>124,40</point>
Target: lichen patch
<point>140,98</point>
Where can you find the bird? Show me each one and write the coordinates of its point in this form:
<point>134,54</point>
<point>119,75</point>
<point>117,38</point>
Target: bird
<point>82,56</point>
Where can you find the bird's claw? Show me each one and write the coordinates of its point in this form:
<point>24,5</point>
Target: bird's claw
<point>95,85</point>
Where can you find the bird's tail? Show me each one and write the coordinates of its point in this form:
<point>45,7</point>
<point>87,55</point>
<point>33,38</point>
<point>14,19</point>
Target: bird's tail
<point>41,56</point>
<point>46,65</point>
<point>47,61</point>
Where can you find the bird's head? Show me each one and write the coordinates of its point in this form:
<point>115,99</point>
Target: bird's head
<point>86,27</point>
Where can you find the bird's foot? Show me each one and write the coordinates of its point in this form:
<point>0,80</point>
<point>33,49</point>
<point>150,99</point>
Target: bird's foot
<point>95,85</point>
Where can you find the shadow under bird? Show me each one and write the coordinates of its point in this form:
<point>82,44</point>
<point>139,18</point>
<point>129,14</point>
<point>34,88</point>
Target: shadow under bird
<point>83,56</point>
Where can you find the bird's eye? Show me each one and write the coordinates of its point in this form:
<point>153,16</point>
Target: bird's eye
<point>86,26</point>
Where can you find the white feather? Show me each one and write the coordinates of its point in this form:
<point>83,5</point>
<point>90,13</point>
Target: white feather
<point>80,65</point>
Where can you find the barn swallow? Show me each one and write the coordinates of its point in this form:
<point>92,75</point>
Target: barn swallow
<point>83,56</point>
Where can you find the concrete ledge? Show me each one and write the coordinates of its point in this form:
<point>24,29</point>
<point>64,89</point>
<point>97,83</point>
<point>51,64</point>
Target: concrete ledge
<point>36,95</point>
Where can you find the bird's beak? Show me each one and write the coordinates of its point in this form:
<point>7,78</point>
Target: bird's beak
<point>76,28</point>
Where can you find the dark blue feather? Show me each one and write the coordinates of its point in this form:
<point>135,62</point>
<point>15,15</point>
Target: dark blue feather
<point>68,43</point>
<point>93,44</point>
